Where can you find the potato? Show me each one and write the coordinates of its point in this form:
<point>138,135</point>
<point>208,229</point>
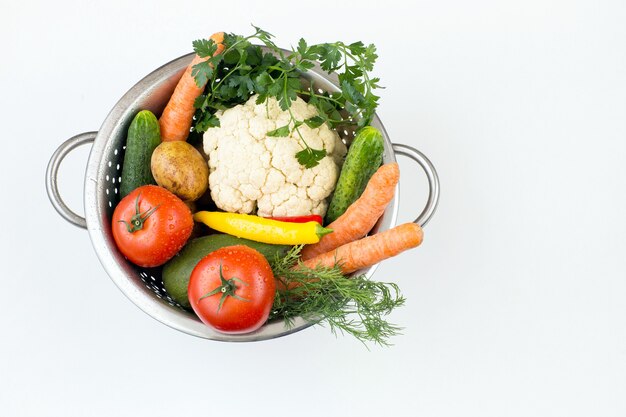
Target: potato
<point>180,168</point>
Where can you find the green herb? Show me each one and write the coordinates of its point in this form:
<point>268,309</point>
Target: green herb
<point>280,132</point>
<point>310,157</point>
<point>352,305</point>
<point>244,69</point>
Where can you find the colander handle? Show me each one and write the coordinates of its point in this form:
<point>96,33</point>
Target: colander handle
<point>51,177</point>
<point>431,174</point>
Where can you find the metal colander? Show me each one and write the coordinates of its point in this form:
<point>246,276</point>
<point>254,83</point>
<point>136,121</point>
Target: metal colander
<point>143,286</point>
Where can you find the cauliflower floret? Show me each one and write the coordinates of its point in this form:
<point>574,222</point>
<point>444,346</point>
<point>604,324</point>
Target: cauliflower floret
<point>249,170</point>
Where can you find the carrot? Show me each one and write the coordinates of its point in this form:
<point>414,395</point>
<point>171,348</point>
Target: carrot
<point>370,250</point>
<point>361,215</point>
<point>177,116</point>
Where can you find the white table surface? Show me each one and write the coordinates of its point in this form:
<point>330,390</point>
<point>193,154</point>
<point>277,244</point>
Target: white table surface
<point>516,299</point>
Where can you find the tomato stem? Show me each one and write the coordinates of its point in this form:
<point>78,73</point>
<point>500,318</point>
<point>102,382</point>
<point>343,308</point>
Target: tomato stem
<point>227,287</point>
<point>137,221</point>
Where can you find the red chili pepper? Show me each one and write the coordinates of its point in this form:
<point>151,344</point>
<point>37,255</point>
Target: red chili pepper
<point>299,219</point>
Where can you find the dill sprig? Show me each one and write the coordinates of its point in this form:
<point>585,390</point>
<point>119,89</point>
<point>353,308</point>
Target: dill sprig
<point>324,295</point>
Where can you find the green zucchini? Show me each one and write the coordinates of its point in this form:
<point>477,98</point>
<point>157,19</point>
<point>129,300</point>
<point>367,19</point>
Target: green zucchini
<point>363,159</point>
<point>176,271</point>
<point>144,135</point>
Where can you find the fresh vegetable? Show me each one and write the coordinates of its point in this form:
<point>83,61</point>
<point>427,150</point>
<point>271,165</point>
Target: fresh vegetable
<point>370,250</point>
<point>260,229</point>
<point>244,69</point>
<point>181,169</point>
<point>272,148</point>
<point>176,272</point>
<point>361,215</point>
<point>232,289</point>
<point>150,225</point>
<point>324,295</point>
<point>299,219</point>
<point>143,137</point>
<point>253,170</point>
<point>177,116</point>
<point>363,159</point>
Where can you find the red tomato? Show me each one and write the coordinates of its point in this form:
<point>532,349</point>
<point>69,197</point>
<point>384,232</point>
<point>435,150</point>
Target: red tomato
<point>232,289</point>
<point>150,225</point>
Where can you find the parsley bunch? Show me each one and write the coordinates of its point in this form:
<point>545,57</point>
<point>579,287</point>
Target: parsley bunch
<point>244,69</point>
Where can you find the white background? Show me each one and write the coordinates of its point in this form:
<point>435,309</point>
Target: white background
<point>516,299</point>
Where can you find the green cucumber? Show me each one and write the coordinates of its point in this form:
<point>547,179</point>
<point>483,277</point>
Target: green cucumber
<point>176,271</point>
<point>363,159</point>
<point>144,135</point>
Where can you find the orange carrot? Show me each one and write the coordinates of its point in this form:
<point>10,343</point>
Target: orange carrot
<point>177,116</point>
<point>362,215</point>
<point>370,250</point>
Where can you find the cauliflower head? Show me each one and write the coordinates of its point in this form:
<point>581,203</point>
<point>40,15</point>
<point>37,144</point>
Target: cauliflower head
<point>249,170</point>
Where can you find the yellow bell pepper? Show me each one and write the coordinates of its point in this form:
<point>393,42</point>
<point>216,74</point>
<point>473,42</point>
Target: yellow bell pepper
<point>261,229</point>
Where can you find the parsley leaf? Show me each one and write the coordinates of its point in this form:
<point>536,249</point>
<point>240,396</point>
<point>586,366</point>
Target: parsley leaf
<point>282,131</point>
<point>207,121</point>
<point>330,56</point>
<point>289,92</point>
<point>202,73</point>
<point>310,157</point>
<point>204,47</point>
<point>313,122</point>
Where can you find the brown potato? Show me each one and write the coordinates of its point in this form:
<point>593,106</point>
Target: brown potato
<point>180,168</point>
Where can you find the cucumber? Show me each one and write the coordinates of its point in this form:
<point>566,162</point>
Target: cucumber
<point>176,271</point>
<point>363,159</point>
<point>144,135</point>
